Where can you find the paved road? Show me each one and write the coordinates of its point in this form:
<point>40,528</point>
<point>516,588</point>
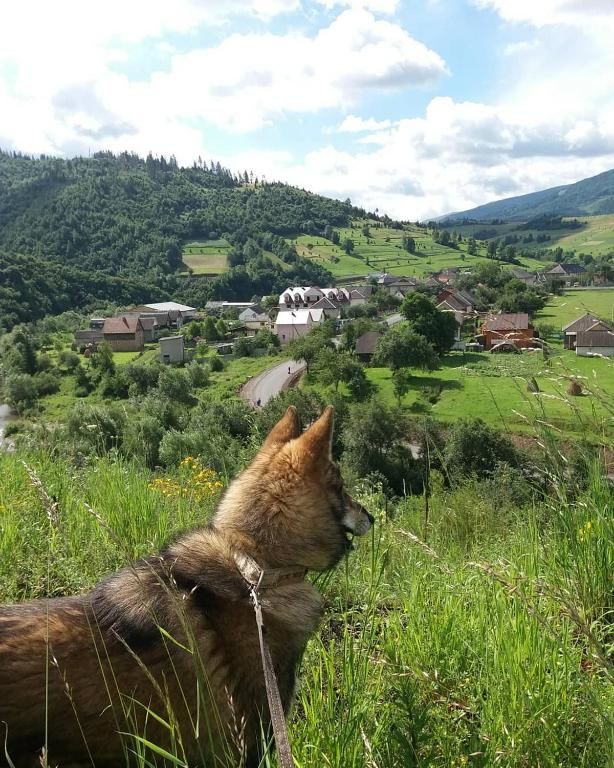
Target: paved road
<point>394,319</point>
<point>270,383</point>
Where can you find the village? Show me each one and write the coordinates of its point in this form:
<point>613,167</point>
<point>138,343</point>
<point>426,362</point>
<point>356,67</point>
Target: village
<point>300,309</point>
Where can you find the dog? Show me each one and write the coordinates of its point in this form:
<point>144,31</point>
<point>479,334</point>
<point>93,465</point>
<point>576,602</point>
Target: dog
<point>164,656</point>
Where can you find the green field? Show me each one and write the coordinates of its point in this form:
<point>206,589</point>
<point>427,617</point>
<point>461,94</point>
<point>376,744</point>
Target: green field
<point>206,258</point>
<point>561,310</point>
<point>596,237</point>
<point>493,388</point>
<point>383,252</point>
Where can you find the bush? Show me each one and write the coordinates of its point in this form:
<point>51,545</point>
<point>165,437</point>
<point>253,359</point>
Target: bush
<point>21,391</point>
<point>199,375</point>
<point>70,360</point>
<point>47,383</point>
<point>216,364</point>
<point>475,448</point>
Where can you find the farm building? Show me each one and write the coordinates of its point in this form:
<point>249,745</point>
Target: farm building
<point>568,274</point>
<point>571,330</point>
<point>514,327</point>
<point>172,349</point>
<point>366,344</point>
<point>596,340</point>
<point>124,334</point>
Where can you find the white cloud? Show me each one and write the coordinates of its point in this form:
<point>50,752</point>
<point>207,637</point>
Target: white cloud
<point>544,12</point>
<point>457,156</point>
<point>353,124</point>
<point>522,47</point>
<point>79,101</point>
<point>376,6</point>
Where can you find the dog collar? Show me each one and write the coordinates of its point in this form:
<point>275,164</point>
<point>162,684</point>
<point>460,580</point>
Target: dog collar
<point>269,578</point>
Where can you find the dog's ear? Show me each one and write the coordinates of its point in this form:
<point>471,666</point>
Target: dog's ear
<point>286,429</point>
<point>317,441</point>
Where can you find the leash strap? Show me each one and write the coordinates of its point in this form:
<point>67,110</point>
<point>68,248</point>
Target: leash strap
<point>278,719</point>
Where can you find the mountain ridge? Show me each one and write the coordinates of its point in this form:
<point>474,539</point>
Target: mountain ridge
<point>588,197</point>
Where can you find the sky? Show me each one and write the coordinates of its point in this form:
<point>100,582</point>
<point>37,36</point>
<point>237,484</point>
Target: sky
<point>415,108</point>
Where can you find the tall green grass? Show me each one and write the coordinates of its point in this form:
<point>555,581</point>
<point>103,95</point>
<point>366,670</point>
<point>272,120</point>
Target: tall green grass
<point>489,645</point>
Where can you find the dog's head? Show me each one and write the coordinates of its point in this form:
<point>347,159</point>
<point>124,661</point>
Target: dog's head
<point>291,501</point>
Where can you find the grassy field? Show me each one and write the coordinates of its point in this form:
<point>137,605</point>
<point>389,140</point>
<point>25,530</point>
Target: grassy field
<point>561,310</point>
<point>595,237</point>
<point>493,388</point>
<point>206,258</point>
<point>382,251</point>
<point>488,647</point>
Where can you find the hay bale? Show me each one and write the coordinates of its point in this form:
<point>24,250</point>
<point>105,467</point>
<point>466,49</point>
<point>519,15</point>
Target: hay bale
<point>575,388</point>
<point>532,385</point>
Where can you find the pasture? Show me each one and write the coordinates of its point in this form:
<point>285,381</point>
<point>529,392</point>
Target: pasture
<point>494,388</point>
<point>382,251</point>
<point>561,310</point>
<point>208,257</point>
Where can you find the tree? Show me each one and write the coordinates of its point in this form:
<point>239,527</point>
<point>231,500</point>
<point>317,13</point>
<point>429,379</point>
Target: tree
<point>402,347</point>
<point>472,246</point>
<point>102,359</point>
<point>221,328</point>
<point>210,329</point>
<point>401,382</point>
<point>409,244</point>
<point>439,328</point>
<point>348,245</point>
<point>306,348</point>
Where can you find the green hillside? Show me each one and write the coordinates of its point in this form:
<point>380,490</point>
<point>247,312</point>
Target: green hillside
<point>587,197</point>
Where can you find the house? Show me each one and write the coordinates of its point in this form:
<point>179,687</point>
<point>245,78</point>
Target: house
<point>149,329</point>
<point>300,297</point>
<point>359,294</point>
<point>124,334</point>
<point>292,324</point>
<point>96,323</point>
<point>257,323</point>
<point>530,279</point>
<point>366,345</point>
<point>569,274</point>
<point>393,283</point>
<point>330,307</point>
<point>162,320</point>
<point>571,330</point>
<point>249,313</point>
<point>597,340</point>
<point>455,300</point>
<point>217,307</point>
<point>179,313</point>
<point>172,349</point>
<point>448,275</point>
<point>88,338</point>
<point>513,327</point>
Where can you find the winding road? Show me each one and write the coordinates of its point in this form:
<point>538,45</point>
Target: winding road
<point>260,389</point>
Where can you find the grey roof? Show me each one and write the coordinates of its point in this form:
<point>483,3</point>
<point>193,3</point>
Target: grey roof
<point>596,338</point>
<point>366,344</point>
<point>581,324</point>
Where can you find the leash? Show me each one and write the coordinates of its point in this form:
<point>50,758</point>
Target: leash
<point>257,578</point>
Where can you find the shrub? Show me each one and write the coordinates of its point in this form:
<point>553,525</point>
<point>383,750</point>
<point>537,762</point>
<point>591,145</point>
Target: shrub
<point>475,448</point>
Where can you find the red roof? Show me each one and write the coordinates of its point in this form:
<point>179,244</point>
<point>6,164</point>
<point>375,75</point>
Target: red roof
<point>121,325</point>
<point>518,321</point>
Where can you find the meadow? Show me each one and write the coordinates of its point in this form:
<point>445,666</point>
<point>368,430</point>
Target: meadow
<point>476,636</point>
<point>561,310</point>
<point>208,257</point>
<point>382,251</point>
<point>596,237</point>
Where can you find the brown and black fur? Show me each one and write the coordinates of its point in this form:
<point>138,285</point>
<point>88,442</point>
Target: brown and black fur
<point>175,634</point>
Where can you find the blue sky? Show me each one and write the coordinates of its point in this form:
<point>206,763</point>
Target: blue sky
<point>414,107</point>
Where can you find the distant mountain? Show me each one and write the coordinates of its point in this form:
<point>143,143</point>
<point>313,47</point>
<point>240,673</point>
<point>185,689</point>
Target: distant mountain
<point>588,197</point>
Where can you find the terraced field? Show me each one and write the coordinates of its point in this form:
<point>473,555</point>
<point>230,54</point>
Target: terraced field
<point>382,251</point>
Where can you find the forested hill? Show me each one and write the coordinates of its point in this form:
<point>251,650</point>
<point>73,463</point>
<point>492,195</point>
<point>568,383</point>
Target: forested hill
<point>108,216</point>
<point>588,197</point>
